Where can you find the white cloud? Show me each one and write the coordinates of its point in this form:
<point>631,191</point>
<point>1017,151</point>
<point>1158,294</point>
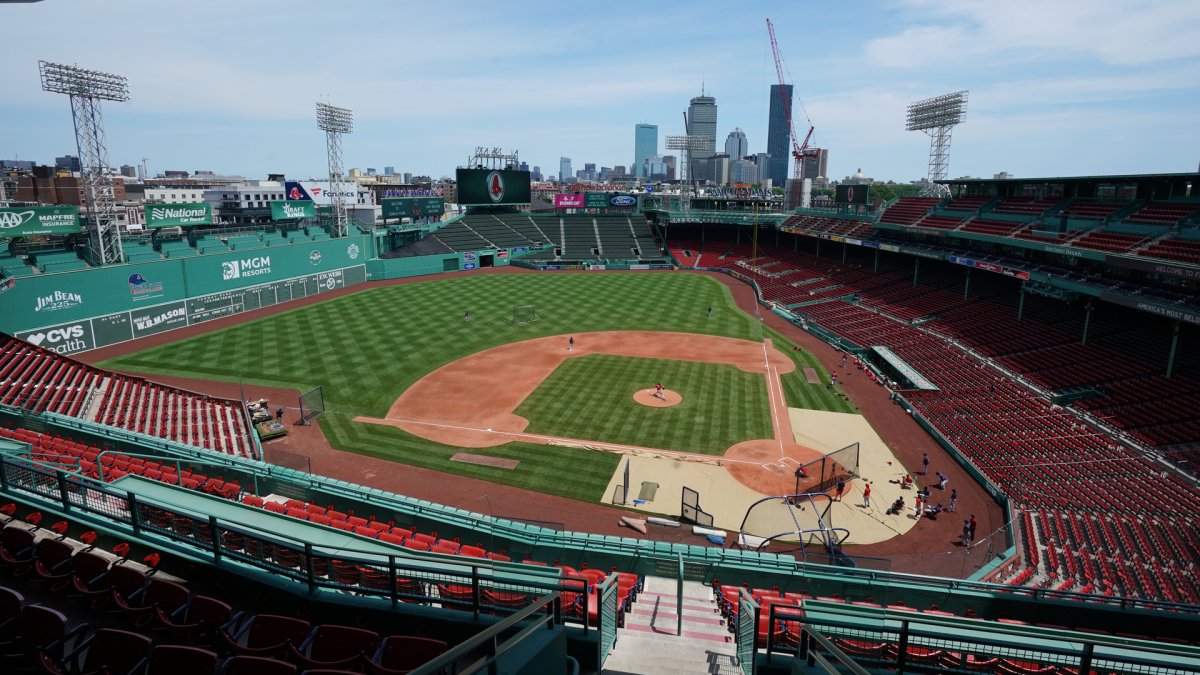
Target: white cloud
<point>956,33</point>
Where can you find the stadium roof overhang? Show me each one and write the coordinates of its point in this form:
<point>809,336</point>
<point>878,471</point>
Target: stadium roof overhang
<point>1149,185</point>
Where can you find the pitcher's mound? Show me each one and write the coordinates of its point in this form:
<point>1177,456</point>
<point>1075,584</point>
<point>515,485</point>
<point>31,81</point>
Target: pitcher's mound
<point>647,397</point>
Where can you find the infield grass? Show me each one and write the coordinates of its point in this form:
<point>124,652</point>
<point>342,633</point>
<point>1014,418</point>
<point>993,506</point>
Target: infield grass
<point>591,397</point>
<point>368,347</point>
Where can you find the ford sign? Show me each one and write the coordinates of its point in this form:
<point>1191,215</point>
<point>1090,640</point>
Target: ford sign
<point>623,200</point>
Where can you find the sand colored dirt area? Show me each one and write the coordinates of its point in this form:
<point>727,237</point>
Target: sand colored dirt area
<point>647,397</point>
<point>725,494</point>
<point>487,387</point>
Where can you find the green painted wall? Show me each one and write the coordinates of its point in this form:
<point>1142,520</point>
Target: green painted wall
<point>86,309</point>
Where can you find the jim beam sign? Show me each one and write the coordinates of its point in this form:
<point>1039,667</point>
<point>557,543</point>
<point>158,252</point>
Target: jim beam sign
<point>178,215</point>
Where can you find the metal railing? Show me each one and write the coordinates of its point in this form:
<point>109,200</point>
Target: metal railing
<point>906,642</point>
<point>489,645</point>
<point>467,584</point>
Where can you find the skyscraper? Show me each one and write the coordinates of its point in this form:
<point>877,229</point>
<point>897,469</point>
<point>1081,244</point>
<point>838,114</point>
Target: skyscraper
<point>736,145</point>
<point>702,122</point>
<point>645,144</point>
<point>564,169</point>
<point>779,139</point>
<point>815,164</point>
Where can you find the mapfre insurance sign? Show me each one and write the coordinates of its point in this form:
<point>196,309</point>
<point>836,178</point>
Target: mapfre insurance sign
<point>25,221</point>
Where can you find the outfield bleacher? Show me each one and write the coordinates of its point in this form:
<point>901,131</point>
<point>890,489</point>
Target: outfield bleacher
<point>460,236</point>
<point>579,239</point>
<point>537,229</point>
<point>617,239</point>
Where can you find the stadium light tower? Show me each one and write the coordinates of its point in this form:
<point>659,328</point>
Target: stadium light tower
<point>936,117</point>
<point>688,144</point>
<point>335,121</point>
<point>86,89</point>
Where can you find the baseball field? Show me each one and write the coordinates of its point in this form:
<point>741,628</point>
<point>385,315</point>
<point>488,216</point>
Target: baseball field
<point>368,348</point>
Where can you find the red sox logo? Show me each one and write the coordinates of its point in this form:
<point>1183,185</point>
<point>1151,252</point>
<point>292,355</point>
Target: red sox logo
<point>495,186</point>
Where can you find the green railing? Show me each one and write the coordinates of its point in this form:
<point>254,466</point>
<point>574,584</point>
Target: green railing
<point>631,554</point>
<point>608,596</point>
<point>471,585</point>
<point>908,642</point>
<point>747,631</point>
<point>481,652</point>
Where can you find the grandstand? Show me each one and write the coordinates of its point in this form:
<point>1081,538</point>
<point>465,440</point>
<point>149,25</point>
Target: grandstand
<point>385,565</point>
<point>575,238</point>
<point>39,380</point>
<point>1007,427</point>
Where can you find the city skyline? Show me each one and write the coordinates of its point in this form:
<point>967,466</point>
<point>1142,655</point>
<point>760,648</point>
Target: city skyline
<point>1053,96</point>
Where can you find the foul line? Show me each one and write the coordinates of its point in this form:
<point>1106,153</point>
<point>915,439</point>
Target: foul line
<point>772,384</point>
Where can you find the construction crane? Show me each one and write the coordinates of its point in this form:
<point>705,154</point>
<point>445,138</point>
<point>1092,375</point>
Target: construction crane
<point>799,150</point>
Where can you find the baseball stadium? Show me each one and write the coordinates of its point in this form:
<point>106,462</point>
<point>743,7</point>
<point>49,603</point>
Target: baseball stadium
<point>655,432</point>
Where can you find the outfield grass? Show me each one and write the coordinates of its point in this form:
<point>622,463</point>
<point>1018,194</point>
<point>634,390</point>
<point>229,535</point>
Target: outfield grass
<point>368,347</point>
<point>591,397</point>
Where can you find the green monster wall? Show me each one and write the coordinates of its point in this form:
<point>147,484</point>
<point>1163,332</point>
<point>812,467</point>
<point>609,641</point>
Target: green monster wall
<point>76,311</point>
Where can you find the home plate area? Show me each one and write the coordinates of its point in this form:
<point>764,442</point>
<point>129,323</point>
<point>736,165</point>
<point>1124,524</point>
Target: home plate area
<point>783,467</point>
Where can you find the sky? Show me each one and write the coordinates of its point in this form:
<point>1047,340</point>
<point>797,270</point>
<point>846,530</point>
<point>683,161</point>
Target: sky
<point>1057,87</point>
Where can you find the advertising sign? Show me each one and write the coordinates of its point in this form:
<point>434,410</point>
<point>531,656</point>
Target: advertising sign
<point>1178,313</point>
<point>64,339</point>
<point>413,207</point>
<point>484,187</point>
<point>23,221</point>
<point>1153,266</point>
<point>178,215</point>
<point>153,320</point>
<point>597,200</point>
<point>852,194</point>
<point>623,201</point>
<point>569,201</point>
<point>319,192</point>
<point>293,210</point>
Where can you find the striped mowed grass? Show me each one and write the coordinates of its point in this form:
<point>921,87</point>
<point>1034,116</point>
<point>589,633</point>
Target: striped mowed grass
<point>366,348</point>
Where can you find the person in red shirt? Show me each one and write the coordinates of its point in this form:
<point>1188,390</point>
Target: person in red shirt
<point>866,494</point>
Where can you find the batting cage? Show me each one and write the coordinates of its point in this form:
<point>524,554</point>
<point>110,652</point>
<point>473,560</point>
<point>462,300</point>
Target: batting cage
<point>825,472</point>
<point>312,404</point>
<point>524,314</point>
<point>792,524</point>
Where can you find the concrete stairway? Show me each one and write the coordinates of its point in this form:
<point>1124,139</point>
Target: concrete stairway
<point>648,643</point>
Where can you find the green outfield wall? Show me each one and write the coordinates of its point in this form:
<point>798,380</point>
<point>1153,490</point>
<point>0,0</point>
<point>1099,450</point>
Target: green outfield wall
<point>76,311</point>
<point>379,269</point>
